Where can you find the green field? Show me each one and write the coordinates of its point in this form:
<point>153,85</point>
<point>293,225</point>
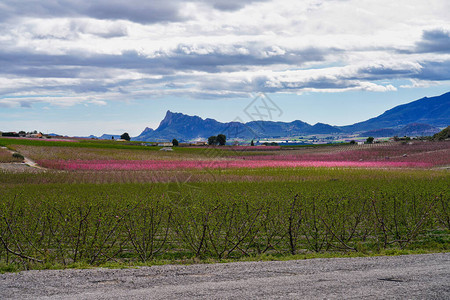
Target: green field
<point>89,218</point>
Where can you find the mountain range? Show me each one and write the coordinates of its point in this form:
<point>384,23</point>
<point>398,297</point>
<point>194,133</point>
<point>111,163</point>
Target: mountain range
<point>421,117</point>
<point>433,111</point>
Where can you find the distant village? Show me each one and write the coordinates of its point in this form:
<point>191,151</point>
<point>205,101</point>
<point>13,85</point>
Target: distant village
<point>23,134</point>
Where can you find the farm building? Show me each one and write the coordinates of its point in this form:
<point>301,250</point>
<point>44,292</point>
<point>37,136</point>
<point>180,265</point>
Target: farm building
<point>165,144</point>
<point>166,149</point>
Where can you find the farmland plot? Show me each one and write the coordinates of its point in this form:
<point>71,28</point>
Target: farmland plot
<point>223,207</point>
<point>93,224</point>
<point>7,157</point>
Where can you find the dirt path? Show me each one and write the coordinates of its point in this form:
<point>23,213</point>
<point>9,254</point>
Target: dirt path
<point>27,165</point>
<point>394,277</point>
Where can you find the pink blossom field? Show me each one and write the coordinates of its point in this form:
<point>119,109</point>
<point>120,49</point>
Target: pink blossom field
<point>395,155</point>
<point>241,148</point>
<point>101,165</point>
<point>41,139</point>
<point>423,153</point>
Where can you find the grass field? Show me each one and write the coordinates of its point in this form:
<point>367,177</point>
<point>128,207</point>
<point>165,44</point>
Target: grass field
<point>220,211</point>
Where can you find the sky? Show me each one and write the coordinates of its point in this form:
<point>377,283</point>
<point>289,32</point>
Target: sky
<point>76,67</point>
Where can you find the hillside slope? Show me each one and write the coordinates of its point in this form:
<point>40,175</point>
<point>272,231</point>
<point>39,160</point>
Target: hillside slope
<point>433,111</point>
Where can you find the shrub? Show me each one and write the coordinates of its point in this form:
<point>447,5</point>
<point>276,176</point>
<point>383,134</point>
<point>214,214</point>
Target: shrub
<point>442,135</point>
<point>18,156</point>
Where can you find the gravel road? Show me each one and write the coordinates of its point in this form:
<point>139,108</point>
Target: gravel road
<point>19,168</point>
<point>395,277</point>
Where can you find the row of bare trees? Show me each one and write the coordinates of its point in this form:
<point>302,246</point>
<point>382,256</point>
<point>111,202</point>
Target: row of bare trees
<point>68,230</point>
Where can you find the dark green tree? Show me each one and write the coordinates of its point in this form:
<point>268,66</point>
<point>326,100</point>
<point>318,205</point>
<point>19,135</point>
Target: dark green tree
<point>369,140</point>
<point>212,140</point>
<point>221,139</point>
<point>175,142</point>
<point>252,143</point>
<point>125,136</point>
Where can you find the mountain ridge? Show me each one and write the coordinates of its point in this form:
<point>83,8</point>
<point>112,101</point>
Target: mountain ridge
<point>420,117</point>
<point>433,111</point>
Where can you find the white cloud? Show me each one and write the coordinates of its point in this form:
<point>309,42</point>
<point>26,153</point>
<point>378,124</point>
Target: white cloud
<point>72,53</point>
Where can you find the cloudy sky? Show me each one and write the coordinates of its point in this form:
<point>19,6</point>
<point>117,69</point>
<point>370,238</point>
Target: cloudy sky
<point>81,67</point>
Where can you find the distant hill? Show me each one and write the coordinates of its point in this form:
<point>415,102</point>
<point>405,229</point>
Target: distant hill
<point>321,128</point>
<point>414,129</point>
<point>443,134</point>
<point>433,111</point>
<point>420,117</point>
<point>109,136</point>
<point>103,137</point>
<point>382,132</point>
<point>184,127</point>
<point>417,129</point>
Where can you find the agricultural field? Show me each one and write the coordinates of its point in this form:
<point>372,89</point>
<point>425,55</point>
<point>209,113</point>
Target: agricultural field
<point>101,202</point>
<point>88,155</point>
<point>7,157</point>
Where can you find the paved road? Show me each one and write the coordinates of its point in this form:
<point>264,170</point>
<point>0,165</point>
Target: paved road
<point>400,277</point>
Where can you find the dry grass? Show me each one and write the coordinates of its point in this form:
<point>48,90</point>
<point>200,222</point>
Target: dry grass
<point>6,157</point>
<point>69,153</point>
